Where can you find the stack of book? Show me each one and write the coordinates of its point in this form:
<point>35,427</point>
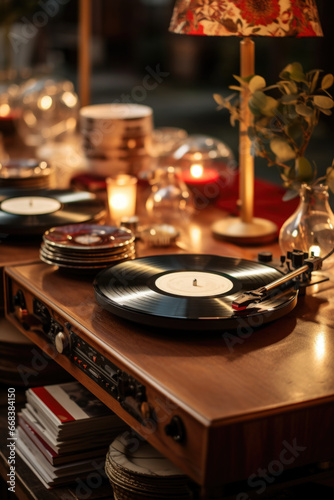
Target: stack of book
<point>64,433</point>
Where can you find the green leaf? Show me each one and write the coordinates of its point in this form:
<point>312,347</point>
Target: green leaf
<point>322,101</point>
<point>288,87</point>
<point>257,83</point>
<point>327,81</point>
<point>304,169</point>
<point>304,110</point>
<point>270,107</point>
<point>257,102</point>
<point>282,150</point>
<point>243,81</point>
<point>219,99</point>
<point>289,99</point>
<point>314,81</point>
<point>295,72</point>
<point>326,112</point>
<point>235,87</point>
<point>261,104</point>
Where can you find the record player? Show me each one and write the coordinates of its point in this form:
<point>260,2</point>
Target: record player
<point>221,401</point>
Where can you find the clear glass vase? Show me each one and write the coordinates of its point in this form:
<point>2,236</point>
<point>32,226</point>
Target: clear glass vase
<point>170,201</point>
<point>311,227</point>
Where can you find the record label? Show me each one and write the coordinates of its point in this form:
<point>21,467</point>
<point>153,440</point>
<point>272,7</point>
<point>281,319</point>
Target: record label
<point>37,211</point>
<point>30,205</point>
<point>87,236</point>
<point>87,239</point>
<point>193,284</point>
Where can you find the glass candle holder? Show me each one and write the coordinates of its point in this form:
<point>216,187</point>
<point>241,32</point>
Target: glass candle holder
<point>207,166</point>
<point>122,194</point>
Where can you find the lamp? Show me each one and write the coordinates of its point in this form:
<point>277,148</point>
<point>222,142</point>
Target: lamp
<point>246,19</point>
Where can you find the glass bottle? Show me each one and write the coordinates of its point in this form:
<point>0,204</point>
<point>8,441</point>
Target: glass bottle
<point>311,227</point>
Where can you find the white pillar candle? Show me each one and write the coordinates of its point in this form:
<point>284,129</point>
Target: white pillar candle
<point>122,193</point>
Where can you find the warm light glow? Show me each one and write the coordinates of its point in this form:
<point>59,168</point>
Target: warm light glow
<point>131,143</point>
<point>315,250</point>
<point>29,118</point>
<point>45,102</point>
<point>320,346</point>
<point>294,233</point>
<point>196,171</point>
<point>197,156</point>
<point>119,201</point>
<point>69,99</point>
<point>195,238</point>
<point>121,192</point>
<point>4,109</point>
<point>71,123</point>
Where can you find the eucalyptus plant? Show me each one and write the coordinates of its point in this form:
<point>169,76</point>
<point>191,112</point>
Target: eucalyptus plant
<point>284,116</point>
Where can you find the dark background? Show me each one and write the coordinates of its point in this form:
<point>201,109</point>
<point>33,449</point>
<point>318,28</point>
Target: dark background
<point>130,35</point>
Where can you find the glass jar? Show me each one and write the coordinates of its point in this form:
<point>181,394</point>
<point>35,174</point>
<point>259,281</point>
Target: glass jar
<point>170,201</point>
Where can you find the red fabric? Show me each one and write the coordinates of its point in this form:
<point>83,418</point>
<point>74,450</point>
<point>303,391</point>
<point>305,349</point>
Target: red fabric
<point>268,202</point>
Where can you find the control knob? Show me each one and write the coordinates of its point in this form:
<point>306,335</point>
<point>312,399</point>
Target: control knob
<point>62,342</point>
<point>175,429</point>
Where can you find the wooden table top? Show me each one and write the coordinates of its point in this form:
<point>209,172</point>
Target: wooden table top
<point>238,374</point>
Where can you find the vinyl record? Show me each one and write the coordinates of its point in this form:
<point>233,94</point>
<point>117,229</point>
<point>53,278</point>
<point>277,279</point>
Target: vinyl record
<point>33,212</point>
<point>88,237</point>
<point>86,260</point>
<point>144,473</point>
<point>25,173</point>
<point>193,292</point>
<point>92,255</point>
<point>84,265</point>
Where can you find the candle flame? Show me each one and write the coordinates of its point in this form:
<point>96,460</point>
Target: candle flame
<point>119,201</point>
<point>4,109</point>
<point>315,250</point>
<point>196,170</point>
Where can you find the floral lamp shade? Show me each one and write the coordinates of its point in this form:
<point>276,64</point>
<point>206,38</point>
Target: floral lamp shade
<point>274,18</point>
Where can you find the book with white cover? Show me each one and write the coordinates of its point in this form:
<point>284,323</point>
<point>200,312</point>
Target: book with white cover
<point>77,451</point>
<point>68,408</point>
<point>49,475</point>
<point>88,439</point>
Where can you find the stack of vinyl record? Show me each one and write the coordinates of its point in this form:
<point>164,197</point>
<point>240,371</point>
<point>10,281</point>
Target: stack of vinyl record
<point>117,138</point>
<point>143,473</point>
<point>25,174</point>
<point>87,246</point>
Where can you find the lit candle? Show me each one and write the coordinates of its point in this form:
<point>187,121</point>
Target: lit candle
<point>121,191</point>
<point>197,175</point>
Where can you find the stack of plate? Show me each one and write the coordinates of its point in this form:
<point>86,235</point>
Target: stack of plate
<point>87,246</point>
<point>25,174</point>
<point>117,138</point>
<point>143,473</point>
